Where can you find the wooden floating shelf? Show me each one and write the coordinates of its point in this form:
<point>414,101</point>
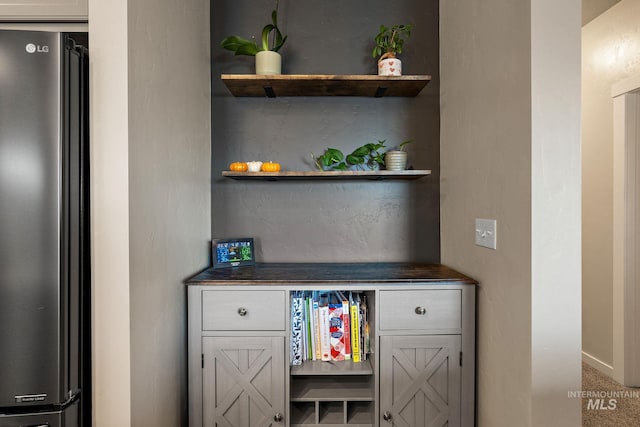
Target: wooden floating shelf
<point>327,175</point>
<point>252,85</point>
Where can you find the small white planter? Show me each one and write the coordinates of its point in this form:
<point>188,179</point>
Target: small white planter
<point>268,62</point>
<point>395,160</point>
<point>390,67</point>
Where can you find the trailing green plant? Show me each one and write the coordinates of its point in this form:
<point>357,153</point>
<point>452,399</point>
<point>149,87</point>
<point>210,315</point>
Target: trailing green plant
<point>366,157</point>
<point>242,46</point>
<point>331,159</point>
<point>390,41</point>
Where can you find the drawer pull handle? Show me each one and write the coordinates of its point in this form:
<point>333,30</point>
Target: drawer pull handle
<point>421,311</point>
<point>242,311</point>
<point>386,416</point>
<point>277,417</point>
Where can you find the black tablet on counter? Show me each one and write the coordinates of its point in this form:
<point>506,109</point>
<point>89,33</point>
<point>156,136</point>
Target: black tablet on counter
<point>232,252</point>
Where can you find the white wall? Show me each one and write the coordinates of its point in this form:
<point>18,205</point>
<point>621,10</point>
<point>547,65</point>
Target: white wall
<point>510,151</point>
<point>151,200</point>
<point>611,53</point>
<point>108,62</point>
<point>555,213</point>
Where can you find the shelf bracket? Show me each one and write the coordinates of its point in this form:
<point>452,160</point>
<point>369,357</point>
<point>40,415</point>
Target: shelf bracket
<point>268,90</point>
<point>380,92</point>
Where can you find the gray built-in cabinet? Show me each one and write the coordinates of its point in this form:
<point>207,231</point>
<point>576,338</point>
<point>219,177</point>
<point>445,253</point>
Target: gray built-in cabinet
<point>420,371</point>
<point>44,10</point>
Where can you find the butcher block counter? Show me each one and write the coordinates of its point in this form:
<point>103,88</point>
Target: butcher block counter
<point>337,273</point>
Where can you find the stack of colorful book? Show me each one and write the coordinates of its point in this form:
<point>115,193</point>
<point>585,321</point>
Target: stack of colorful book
<point>329,326</point>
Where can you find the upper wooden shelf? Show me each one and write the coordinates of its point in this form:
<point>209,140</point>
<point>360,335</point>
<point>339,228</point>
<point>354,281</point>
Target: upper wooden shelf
<point>324,85</point>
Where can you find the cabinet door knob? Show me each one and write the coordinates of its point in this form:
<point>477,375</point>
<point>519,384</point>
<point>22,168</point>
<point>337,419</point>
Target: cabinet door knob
<point>277,417</point>
<point>242,311</point>
<point>386,415</point>
<point>421,311</point>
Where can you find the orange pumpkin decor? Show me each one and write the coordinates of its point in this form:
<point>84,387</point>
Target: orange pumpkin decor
<point>270,167</point>
<point>238,167</point>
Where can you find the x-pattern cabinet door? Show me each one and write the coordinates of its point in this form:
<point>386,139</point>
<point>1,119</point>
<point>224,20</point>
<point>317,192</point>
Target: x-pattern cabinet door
<point>244,381</point>
<point>420,380</point>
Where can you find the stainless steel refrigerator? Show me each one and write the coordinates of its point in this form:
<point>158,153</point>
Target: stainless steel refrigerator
<point>44,234</point>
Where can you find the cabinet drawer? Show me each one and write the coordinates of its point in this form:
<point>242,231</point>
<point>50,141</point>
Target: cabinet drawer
<point>424,309</point>
<point>243,310</point>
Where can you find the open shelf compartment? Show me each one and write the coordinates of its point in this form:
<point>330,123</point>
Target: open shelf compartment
<point>338,393</point>
<point>332,414</point>
<point>330,388</point>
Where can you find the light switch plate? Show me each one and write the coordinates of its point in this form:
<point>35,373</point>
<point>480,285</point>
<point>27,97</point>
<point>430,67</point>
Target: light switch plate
<point>486,233</point>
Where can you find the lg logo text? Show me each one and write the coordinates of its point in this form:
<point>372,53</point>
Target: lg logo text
<point>34,48</point>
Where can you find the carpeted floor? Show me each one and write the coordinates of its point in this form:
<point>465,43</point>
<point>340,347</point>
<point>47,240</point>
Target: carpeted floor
<point>608,403</point>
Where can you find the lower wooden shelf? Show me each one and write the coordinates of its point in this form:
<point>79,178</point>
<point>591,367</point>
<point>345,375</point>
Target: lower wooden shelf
<point>327,175</point>
<point>343,367</point>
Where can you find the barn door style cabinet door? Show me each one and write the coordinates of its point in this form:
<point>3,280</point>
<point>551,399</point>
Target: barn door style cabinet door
<point>244,381</point>
<point>420,370</point>
<point>422,374</point>
<point>44,10</point>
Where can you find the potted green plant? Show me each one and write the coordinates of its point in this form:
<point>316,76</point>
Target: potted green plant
<point>268,60</point>
<point>396,160</point>
<point>389,43</point>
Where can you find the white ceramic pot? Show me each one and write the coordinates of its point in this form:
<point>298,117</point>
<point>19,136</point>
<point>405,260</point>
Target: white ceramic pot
<point>390,67</point>
<point>395,160</point>
<point>268,62</point>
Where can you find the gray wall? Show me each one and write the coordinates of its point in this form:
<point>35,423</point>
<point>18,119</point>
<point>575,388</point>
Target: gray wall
<point>326,221</point>
<point>486,164</point>
<point>511,151</point>
<point>169,197</point>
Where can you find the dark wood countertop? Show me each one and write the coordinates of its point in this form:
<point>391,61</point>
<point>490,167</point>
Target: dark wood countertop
<point>308,273</point>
